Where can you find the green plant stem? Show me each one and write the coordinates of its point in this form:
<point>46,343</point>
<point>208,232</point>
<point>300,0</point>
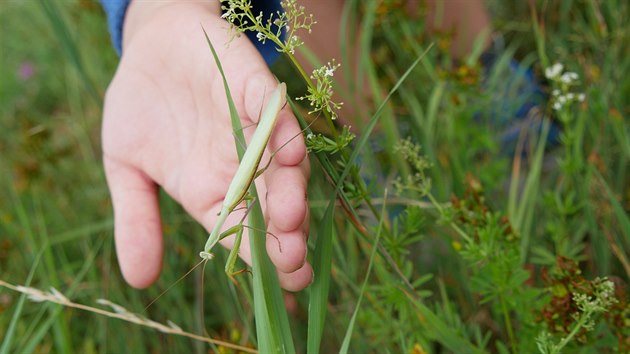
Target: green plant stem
<point>508,324</point>
<point>440,210</point>
<point>585,316</point>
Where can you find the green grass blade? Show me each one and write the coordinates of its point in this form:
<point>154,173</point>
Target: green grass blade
<point>322,264</point>
<point>346,340</point>
<point>620,214</point>
<point>68,44</point>
<point>8,336</point>
<point>522,215</point>
<point>365,135</point>
<point>56,310</point>
<point>440,331</point>
<point>272,322</point>
<point>236,122</point>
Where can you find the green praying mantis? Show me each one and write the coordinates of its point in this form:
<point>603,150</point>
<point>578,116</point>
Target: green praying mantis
<point>245,175</point>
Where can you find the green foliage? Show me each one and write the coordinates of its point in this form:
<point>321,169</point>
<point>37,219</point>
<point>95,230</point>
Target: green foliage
<point>484,248</point>
<point>322,143</point>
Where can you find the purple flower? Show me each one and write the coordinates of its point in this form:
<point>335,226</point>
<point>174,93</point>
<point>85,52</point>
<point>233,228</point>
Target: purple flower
<point>26,70</point>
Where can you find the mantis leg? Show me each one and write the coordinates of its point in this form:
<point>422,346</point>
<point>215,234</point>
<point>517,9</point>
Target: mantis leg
<point>231,261</point>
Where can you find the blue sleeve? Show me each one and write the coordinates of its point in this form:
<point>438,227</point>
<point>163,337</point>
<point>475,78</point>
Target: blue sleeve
<point>116,9</point>
<point>267,50</point>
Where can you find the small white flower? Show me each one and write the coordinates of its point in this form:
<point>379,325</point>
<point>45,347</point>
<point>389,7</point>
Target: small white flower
<point>562,99</point>
<point>554,70</point>
<point>570,96</point>
<point>565,79</point>
<point>557,106</point>
<point>569,77</point>
<point>581,97</point>
<point>329,72</point>
<point>260,36</point>
<point>555,92</point>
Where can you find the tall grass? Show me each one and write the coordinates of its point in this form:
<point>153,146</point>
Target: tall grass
<point>485,250</point>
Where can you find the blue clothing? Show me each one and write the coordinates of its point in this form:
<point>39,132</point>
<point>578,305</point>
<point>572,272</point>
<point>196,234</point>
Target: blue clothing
<point>116,10</point>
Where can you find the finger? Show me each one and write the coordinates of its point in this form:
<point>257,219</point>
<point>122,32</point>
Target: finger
<point>137,227</point>
<point>297,280</point>
<point>291,281</point>
<point>286,196</point>
<point>286,139</point>
<point>287,250</point>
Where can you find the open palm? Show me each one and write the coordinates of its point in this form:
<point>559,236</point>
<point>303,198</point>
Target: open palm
<point>166,123</point>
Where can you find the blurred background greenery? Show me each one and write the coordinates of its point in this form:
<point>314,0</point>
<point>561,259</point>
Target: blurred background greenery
<point>56,222</point>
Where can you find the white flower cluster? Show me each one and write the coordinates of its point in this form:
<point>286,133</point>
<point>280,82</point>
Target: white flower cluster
<point>293,42</point>
<point>241,18</point>
<point>562,95</point>
<point>602,299</point>
<point>320,96</point>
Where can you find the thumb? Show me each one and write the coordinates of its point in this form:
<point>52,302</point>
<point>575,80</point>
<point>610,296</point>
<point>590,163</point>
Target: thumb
<point>137,227</point>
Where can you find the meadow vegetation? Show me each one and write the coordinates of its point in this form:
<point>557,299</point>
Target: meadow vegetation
<point>431,232</point>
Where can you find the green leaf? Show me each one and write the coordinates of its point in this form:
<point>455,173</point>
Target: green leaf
<point>322,264</point>
<point>346,340</point>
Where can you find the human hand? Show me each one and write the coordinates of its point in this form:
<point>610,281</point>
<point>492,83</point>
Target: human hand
<point>166,123</point>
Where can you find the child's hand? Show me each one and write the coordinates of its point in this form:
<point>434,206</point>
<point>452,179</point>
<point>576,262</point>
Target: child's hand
<point>166,123</point>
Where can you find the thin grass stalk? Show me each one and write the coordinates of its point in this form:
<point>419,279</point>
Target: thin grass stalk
<point>367,68</point>
<point>55,311</point>
<point>539,35</point>
<point>61,332</point>
<point>440,331</point>
<point>347,30</point>
<point>69,45</point>
<point>8,336</point>
<point>120,313</point>
<point>430,127</point>
<point>410,39</point>
<point>346,340</point>
<point>365,134</point>
<point>624,224</point>
<point>522,213</point>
